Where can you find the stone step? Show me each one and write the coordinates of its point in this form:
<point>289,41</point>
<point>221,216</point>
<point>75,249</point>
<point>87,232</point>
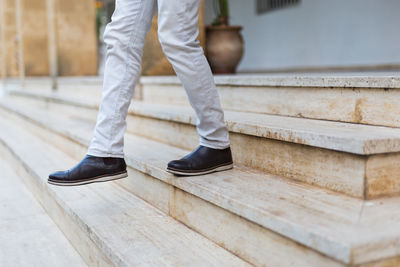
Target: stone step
<point>28,236</point>
<point>278,216</point>
<point>367,98</point>
<point>108,225</point>
<point>344,137</point>
<point>358,160</point>
<point>83,86</point>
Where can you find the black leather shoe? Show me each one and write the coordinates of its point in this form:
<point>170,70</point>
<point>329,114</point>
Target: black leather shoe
<point>90,170</point>
<point>201,161</point>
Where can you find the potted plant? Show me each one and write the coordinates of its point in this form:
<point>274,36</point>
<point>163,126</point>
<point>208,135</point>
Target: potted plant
<point>224,43</point>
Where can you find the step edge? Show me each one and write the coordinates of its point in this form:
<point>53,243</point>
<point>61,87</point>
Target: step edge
<point>98,240</point>
<point>363,146</point>
<point>159,174</point>
<point>301,81</point>
<point>38,183</point>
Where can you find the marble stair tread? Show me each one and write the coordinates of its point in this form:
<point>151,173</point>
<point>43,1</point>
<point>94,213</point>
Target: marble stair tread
<point>342,227</point>
<point>128,230</point>
<point>339,80</point>
<point>28,236</point>
<point>340,136</point>
<point>365,79</point>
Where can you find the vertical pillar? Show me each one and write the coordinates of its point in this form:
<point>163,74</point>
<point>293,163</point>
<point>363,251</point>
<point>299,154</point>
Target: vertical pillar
<point>50,10</point>
<point>3,41</point>
<point>21,63</point>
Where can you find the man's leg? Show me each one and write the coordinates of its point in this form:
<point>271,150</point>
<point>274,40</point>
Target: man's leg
<point>124,38</point>
<point>178,31</point>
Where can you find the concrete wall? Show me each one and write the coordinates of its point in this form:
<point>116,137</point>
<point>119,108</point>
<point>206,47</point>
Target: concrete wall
<point>318,33</point>
<point>10,42</point>
<point>76,37</point>
<point>34,24</point>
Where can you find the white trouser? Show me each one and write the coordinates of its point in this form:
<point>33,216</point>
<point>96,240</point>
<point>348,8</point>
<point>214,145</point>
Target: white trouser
<point>177,31</point>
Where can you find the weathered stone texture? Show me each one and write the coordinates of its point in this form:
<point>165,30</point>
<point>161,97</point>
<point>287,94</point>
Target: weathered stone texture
<point>76,37</point>
<point>35,37</point>
<point>75,33</point>
<point>10,41</point>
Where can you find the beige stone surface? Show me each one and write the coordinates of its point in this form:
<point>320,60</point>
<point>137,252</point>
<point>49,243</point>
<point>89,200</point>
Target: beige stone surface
<point>34,21</point>
<point>353,138</point>
<point>127,230</point>
<point>382,175</point>
<point>258,245</point>
<point>79,239</point>
<point>339,80</point>
<point>337,171</point>
<point>28,236</point>
<point>306,150</point>
<point>347,229</point>
<point>375,105</point>
<point>68,147</point>
<point>248,240</point>
<point>10,32</point>
<point>392,262</point>
<point>76,37</point>
<point>345,137</point>
<point>369,98</point>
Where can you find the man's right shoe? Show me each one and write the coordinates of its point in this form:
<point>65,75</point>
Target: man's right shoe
<point>90,170</point>
<point>201,161</point>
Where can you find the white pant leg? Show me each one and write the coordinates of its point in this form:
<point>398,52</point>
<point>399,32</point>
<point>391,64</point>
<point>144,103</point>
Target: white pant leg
<point>124,38</point>
<point>178,31</point>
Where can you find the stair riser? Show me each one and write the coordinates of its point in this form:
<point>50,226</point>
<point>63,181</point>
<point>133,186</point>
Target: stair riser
<point>356,175</point>
<point>361,105</point>
<point>68,225</point>
<point>359,176</point>
<point>303,163</point>
<point>85,113</point>
<point>180,205</point>
<point>211,221</point>
<point>92,91</point>
<point>193,213</point>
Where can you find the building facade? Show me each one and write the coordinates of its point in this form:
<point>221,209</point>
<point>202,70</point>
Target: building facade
<point>24,37</point>
<point>317,35</point>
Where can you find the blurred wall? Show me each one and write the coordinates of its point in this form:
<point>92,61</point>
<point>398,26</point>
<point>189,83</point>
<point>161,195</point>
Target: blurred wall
<point>75,33</point>
<point>10,42</point>
<point>154,62</point>
<point>318,33</point>
<point>34,26</point>
<point>76,38</point>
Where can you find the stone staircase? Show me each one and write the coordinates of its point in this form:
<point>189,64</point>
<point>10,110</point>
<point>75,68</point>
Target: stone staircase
<point>316,180</point>
<point>28,236</point>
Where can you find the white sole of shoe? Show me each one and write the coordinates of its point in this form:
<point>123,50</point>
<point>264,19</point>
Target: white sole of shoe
<point>94,180</point>
<point>217,169</point>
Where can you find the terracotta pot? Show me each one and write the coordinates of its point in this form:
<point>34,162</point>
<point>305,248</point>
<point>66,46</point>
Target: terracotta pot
<point>224,48</point>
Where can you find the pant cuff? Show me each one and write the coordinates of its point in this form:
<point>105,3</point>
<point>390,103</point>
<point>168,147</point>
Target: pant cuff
<point>96,153</point>
<point>215,145</point>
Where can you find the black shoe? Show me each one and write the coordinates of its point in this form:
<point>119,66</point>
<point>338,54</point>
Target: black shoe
<point>201,161</point>
<point>90,170</point>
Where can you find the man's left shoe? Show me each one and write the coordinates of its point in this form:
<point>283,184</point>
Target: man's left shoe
<point>202,161</point>
<point>90,170</point>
